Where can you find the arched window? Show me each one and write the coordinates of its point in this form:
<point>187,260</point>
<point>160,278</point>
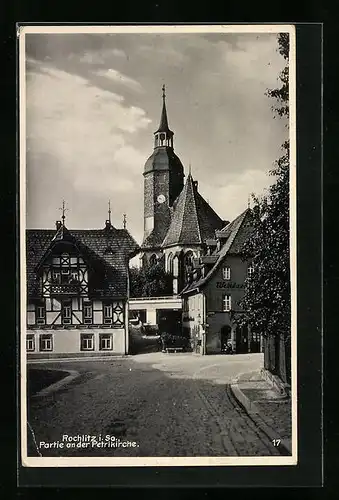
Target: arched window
<point>175,263</point>
<point>188,263</point>
<point>170,263</point>
<point>153,260</point>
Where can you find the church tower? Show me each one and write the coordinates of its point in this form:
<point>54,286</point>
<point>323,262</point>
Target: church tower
<point>163,182</point>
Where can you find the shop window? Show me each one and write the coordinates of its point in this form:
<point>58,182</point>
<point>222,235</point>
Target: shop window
<point>106,342</point>
<point>226,303</point>
<point>30,342</point>
<point>87,342</point>
<point>46,342</point>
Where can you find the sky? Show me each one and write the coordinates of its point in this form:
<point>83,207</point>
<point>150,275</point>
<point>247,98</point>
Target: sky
<point>93,102</point>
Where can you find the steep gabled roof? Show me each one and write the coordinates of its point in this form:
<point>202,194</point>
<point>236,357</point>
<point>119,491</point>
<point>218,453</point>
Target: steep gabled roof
<point>107,249</point>
<point>237,232</point>
<point>193,220</point>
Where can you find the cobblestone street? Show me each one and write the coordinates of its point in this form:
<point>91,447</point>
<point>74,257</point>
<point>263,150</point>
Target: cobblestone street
<point>171,405</point>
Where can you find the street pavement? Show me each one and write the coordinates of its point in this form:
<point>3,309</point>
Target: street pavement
<point>167,404</point>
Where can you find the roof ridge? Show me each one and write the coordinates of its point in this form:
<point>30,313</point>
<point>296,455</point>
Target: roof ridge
<point>182,215</point>
<point>225,249</point>
<point>195,192</point>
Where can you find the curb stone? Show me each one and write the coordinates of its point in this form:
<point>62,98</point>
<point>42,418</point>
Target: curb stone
<point>53,387</point>
<point>253,411</point>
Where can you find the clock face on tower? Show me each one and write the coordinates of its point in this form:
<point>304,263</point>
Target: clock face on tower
<point>161,198</point>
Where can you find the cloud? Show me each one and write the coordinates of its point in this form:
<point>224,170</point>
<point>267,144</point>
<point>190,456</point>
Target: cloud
<point>86,130</point>
<point>163,51</point>
<point>99,56</point>
<point>230,198</point>
<point>119,78</point>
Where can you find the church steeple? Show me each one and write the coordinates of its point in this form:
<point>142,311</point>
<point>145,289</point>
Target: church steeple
<point>163,136</point>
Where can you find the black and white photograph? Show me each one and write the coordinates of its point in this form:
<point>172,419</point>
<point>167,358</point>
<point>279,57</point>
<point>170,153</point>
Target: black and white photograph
<point>158,245</point>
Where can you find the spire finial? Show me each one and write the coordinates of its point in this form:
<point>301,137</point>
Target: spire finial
<point>109,211</point>
<point>189,169</point>
<point>249,201</point>
<point>124,220</point>
<point>63,211</point>
<point>163,91</point>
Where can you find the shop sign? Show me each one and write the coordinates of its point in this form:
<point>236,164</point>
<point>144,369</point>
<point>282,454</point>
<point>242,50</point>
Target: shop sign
<point>228,284</point>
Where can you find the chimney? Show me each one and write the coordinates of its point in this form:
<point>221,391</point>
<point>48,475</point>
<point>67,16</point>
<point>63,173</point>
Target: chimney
<point>58,224</point>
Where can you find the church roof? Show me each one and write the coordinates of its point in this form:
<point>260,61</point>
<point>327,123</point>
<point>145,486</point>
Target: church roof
<point>193,220</point>
<point>153,239</point>
<point>163,158</point>
<point>106,250</point>
<point>237,233</point>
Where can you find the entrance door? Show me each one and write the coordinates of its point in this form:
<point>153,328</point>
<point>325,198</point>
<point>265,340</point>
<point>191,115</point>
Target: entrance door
<point>225,336</point>
<point>241,340</point>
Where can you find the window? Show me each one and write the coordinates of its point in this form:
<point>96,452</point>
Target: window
<point>108,313</point>
<point>74,276</point>
<point>188,264</point>
<point>106,343</point>
<point>226,303</point>
<point>88,313</point>
<point>226,273</point>
<point>66,312</point>
<point>30,342</point>
<point>153,260</point>
<point>86,342</point>
<point>170,263</point>
<point>46,342</point>
<point>40,315</point>
<point>56,276</point>
<point>250,270</point>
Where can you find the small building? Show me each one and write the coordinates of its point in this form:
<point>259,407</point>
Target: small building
<point>77,291</point>
<point>217,282</point>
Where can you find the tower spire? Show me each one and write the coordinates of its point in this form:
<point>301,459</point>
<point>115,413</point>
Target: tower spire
<point>163,127</point>
<point>163,135</point>
<point>109,211</point>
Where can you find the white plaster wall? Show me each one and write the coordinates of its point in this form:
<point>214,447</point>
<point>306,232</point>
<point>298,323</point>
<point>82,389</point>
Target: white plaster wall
<point>68,341</point>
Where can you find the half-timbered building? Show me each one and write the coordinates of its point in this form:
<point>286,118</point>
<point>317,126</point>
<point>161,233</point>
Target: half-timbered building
<point>77,291</point>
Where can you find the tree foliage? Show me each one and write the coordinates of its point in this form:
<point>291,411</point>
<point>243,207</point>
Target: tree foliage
<point>266,301</point>
<point>152,281</point>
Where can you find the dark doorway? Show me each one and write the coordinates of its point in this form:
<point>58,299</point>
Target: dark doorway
<point>169,321</point>
<point>254,342</point>
<point>241,340</point>
<point>225,336</point>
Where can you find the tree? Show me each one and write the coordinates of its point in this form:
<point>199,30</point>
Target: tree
<point>267,300</point>
<point>152,281</point>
